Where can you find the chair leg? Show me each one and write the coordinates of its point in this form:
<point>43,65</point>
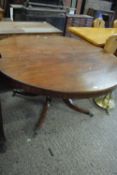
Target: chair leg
<point>69,103</point>
<point>2,135</point>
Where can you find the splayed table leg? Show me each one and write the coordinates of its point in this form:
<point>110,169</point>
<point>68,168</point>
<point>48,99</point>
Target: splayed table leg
<point>43,114</point>
<point>69,103</point>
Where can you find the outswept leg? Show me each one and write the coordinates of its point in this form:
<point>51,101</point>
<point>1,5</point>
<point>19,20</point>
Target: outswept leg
<point>69,103</point>
<point>22,92</point>
<point>43,114</point>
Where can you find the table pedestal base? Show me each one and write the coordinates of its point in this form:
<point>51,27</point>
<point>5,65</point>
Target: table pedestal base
<point>68,102</point>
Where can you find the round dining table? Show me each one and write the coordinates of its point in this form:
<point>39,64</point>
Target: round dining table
<point>57,67</point>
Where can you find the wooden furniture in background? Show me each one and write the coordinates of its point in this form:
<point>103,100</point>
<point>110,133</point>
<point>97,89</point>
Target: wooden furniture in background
<point>42,28</point>
<point>96,36</point>
<point>78,20</point>
<point>108,16</point>
<point>32,62</point>
<point>115,23</point>
<point>98,22</point>
<point>52,12</point>
<point>16,12</point>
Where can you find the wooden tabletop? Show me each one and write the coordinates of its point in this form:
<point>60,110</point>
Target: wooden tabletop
<point>58,65</point>
<point>96,36</point>
<point>11,27</point>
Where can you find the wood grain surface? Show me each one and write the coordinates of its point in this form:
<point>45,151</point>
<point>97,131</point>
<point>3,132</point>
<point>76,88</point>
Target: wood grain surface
<point>58,65</point>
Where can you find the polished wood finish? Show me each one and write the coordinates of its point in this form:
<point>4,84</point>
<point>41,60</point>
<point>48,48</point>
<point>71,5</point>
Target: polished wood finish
<point>105,102</point>
<point>9,28</point>
<point>58,66</point>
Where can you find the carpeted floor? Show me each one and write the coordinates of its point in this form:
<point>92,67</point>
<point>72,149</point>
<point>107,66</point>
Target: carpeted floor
<point>69,143</point>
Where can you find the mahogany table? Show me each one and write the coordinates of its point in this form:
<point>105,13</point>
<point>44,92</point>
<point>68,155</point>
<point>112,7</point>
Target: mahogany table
<point>8,29</point>
<point>57,66</point>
